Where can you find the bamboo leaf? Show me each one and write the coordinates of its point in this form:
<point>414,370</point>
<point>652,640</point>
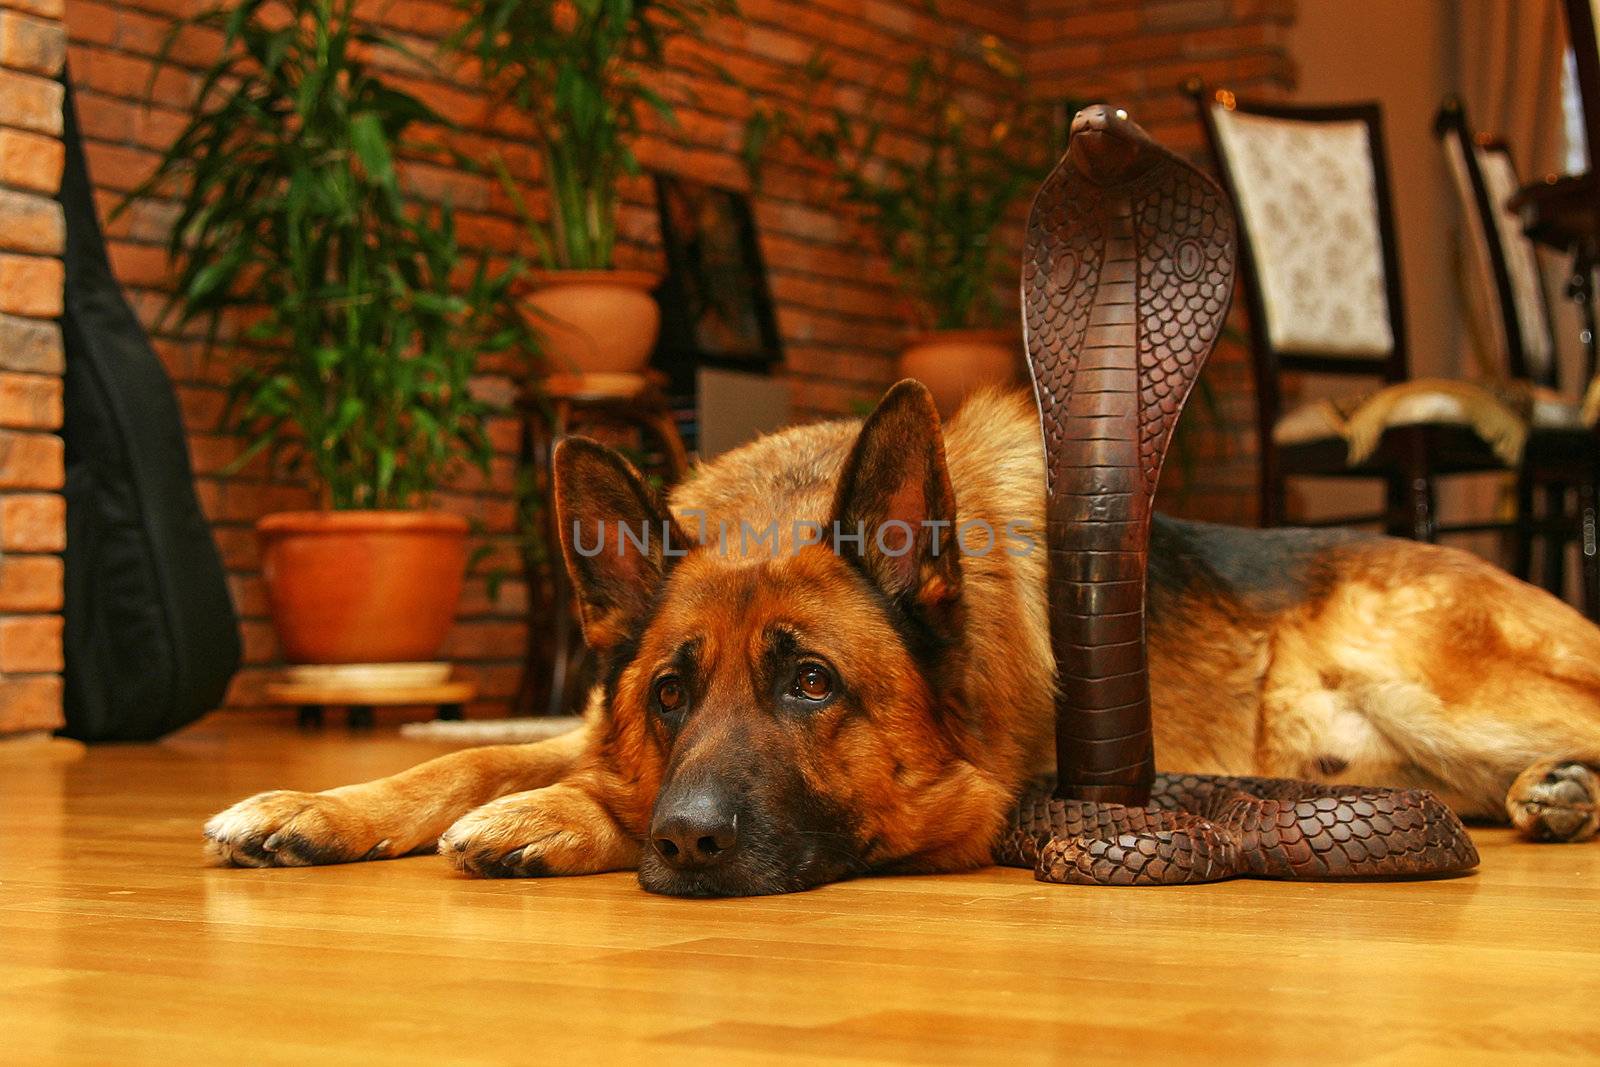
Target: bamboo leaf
<point>371,146</point>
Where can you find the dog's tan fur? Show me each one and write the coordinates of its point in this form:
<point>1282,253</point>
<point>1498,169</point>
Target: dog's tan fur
<point>1392,663</point>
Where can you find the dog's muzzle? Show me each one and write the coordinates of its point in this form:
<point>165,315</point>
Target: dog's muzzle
<point>695,830</point>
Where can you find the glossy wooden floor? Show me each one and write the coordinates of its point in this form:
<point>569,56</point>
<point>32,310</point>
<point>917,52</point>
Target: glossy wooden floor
<point>117,946</point>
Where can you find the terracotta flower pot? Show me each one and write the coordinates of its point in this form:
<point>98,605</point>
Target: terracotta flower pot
<point>362,586</point>
<point>595,321</point>
<point>952,363</point>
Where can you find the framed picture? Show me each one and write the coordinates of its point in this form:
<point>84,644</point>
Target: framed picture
<point>716,307</point>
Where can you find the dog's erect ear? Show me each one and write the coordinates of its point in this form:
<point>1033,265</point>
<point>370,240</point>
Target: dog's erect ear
<point>895,492</point>
<point>618,538</point>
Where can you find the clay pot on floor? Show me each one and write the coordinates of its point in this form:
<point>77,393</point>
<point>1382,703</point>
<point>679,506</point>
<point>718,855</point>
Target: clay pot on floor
<point>953,363</point>
<point>595,321</point>
<point>362,586</point>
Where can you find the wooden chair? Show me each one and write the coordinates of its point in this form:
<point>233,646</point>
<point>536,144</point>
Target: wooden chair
<point>1583,34</point>
<point>1561,453</point>
<point>553,676</point>
<point>1563,212</point>
<point>1322,282</point>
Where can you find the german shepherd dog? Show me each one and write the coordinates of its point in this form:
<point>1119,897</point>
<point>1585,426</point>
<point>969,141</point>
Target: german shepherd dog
<point>779,711</point>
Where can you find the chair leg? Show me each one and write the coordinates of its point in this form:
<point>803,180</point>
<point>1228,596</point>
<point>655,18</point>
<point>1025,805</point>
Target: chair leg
<point>1422,520</point>
<point>1421,511</point>
<point>1424,517</point>
<point>1397,507</point>
<point>1274,501</point>
<point>1554,579</point>
<point>1522,535</point>
<point>1589,544</point>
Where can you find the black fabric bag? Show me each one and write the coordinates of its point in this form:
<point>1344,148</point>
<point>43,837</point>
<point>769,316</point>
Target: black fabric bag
<point>151,639</point>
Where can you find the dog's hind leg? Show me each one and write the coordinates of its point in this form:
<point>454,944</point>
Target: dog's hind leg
<point>1556,800</point>
<point>1460,678</point>
<point>391,816</point>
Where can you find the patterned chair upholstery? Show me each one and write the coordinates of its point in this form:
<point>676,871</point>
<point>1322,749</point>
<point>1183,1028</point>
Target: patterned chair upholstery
<point>1308,194</point>
<point>1309,201</point>
<point>1321,280</point>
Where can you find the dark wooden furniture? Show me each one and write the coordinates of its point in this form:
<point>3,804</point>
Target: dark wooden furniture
<point>312,701</point>
<point>1561,453</point>
<point>553,667</point>
<point>1581,35</point>
<point>1563,212</point>
<point>1409,459</point>
<point>717,310</point>
<point>1484,174</point>
<point>716,301</point>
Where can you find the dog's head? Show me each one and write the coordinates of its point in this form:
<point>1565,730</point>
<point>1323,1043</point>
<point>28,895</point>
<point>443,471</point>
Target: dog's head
<point>790,719</point>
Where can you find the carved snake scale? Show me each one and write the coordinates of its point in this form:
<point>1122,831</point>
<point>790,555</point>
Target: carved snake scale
<point>1126,282</point>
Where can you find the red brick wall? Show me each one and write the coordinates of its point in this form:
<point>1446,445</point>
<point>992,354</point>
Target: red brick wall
<point>32,514</point>
<point>841,318</point>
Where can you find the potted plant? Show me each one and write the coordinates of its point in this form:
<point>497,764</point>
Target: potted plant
<point>581,70</point>
<point>355,366</point>
<point>935,200</point>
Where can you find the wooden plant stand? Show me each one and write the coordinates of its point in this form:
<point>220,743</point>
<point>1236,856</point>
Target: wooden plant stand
<point>313,700</point>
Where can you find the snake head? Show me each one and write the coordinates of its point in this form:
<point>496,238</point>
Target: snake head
<point>1107,147</point>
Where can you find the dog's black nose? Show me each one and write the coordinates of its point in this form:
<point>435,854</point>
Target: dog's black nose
<point>696,831</point>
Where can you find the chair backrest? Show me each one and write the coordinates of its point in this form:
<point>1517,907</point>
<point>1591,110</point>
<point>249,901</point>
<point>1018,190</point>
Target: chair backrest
<point>1320,262</point>
<point>1505,264</point>
<point>1581,26</point>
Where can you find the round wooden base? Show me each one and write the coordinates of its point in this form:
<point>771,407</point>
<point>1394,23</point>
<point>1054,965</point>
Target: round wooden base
<point>314,700</point>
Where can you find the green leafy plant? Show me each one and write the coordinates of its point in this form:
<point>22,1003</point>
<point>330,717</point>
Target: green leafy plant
<point>936,196</point>
<point>582,71</point>
<point>359,354</point>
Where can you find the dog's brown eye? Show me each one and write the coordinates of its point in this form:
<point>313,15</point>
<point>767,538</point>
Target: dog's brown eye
<point>813,682</point>
<point>669,693</point>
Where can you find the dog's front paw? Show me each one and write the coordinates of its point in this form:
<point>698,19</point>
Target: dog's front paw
<point>556,830</point>
<point>1556,801</point>
<point>501,840</point>
<point>289,829</point>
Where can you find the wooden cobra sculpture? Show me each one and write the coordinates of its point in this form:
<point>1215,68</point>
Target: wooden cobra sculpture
<point>1126,282</point>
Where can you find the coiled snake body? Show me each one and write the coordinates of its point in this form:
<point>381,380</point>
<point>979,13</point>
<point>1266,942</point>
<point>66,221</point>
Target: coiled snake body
<point>1126,281</point>
<point>1203,828</point>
